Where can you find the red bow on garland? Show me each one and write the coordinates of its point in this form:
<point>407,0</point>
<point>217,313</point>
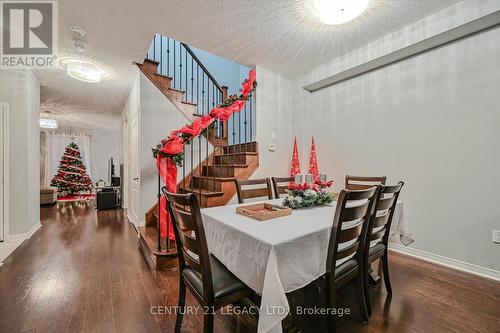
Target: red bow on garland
<point>171,148</point>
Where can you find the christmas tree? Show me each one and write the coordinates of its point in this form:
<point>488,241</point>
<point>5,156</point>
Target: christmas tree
<point>313,162</point>
<point>295,160</point>
<point>71,174</point>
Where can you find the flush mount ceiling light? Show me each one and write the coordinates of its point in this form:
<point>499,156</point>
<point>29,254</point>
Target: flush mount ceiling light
<point>336,12</point>
<point>48,123</point>
<point>84,71</point>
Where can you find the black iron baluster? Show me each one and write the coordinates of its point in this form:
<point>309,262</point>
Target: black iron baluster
<point>198,100</point>
<point>180,67</point>
<point>203,93</point>
<point>251,134</point>
<point>174,76</point>
<point>186,66</point>
<point>198,105</point>
<point>161,54</point>
<point>192,80</point>
<point>184,168</point>
<point>168,56</point>
<point>239,131</point>
<point>159,214</point>
<point>246,139</point>
<point>200,165</point>
<point>154,47</point>
<point>216,129</point>
<point>234,138</point>
<point>192,174</point>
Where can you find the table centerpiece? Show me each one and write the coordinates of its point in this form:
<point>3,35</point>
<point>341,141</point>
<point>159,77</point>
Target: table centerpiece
<point>308,194</point>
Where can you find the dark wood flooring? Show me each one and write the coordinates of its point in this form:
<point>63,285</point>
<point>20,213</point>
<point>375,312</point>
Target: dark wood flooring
<point>83,272</point>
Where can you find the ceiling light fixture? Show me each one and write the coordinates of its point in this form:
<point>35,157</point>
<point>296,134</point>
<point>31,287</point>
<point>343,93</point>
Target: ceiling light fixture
<point>79,35</point>
<point>336,12</point>
<point>48,123</point>
<point>84,71</point>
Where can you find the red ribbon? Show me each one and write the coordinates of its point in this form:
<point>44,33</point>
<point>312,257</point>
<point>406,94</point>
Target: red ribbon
<point>175,146</point>
<point>168,173</point>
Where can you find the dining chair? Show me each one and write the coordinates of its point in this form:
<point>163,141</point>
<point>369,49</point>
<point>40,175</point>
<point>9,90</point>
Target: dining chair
<point>280,184</point>
<point>362,182</point>
<point>258,188</point>
<point>378,232</point>
<point>211,283</point>
<point>346,245</point>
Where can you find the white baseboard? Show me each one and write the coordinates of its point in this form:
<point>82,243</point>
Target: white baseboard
<point>26,235</point>
<point>447,262</point>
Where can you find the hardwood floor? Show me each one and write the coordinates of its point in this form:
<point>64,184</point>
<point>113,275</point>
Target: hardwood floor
<point>83,272</point>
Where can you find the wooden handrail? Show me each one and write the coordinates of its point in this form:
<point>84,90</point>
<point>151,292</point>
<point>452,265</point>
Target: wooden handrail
<point>188,49</point>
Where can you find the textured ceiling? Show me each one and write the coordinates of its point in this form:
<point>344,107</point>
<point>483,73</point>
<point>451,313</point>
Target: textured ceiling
<point>281,35</point>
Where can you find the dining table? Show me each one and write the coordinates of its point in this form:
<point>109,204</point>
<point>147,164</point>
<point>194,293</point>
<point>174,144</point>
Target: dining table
<point>280,255</point>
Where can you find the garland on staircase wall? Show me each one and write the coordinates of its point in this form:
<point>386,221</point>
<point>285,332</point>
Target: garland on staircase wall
<point>169,152</point>
<point>173,146</point>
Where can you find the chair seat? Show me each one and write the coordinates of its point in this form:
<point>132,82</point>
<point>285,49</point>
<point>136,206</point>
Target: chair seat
<point>223,281</point>
<point>346,267</point>
<point>376,250</point>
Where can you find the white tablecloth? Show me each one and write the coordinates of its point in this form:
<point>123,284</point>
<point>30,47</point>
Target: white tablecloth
<point>279,255</point>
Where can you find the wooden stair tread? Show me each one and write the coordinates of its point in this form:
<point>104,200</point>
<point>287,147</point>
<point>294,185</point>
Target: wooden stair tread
<point>221,179</point>
<point>163,75</point>
<point>233,165</point>
<point>188,103</point>
<point>239,153</point>
<point>151,61</point>
<point>177,90</point>
<point>150,235</point>
<point>243,144</point>
<point>204,193</point>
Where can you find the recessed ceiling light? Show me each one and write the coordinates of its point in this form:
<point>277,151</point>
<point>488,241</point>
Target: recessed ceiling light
<point>48,123</point>
<point>336,12</point>
<point>84,71</point>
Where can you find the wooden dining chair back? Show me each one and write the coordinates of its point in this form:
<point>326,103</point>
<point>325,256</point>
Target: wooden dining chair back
<point>253,188</point>
<point>190,236</point>
<point>350,224</point>
<point>346,245</point>
<point>211,283</point>
<point>280,184</point>
<point>379,230</point>
<point>363,182</point>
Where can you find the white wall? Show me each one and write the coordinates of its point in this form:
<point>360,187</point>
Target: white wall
<point>431,121</point>
<point>21,90</point>
<point>274,115</point>
<point>105,144</point>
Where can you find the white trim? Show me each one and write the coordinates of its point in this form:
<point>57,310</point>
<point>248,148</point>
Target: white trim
<point>447,262</point>
<point>26,235</point>
<point>6,165</point>
<point>131,219</point>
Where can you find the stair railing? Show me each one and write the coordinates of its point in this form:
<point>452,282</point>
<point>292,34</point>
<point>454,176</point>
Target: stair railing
<point>204,159</point>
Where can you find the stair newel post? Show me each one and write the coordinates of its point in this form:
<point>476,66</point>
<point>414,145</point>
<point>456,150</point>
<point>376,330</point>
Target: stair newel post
<point>159,213</point>
<point>251,134</point>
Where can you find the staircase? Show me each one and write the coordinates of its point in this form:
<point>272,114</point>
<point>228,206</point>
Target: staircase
<point>223,153</point>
